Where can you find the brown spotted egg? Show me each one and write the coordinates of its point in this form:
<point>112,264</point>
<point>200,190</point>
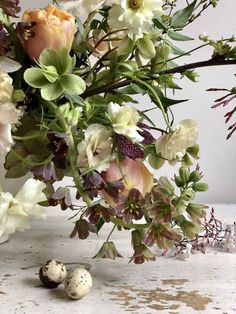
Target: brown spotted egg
<point>78,283</point>
<point>52,273</point>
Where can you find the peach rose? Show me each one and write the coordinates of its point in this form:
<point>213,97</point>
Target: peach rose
<point>54,29</point>
<point>136,176</point>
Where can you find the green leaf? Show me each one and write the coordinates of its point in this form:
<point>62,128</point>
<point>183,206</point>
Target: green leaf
<point>50,72</point>
<point>180,18</point>
<point>159,24</point>
<point>167,102</point>
<point>58,58</point>
<point>72,84</point>
<point>51,91</point>
<point>35,78</point>
<point>178,36</point>
<point>175,50</point>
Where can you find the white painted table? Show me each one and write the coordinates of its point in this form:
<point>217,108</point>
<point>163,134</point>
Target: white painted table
<point>202,284</point>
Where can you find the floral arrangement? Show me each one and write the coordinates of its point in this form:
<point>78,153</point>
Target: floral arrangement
<point>69,74</point>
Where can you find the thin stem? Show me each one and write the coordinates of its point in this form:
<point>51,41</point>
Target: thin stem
<point>25,138</point>
<point>125,82</point>
<point>121,223</point>
<point>109,235</point>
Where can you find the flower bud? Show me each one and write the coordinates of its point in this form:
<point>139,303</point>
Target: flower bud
<point>179,182</point>
<point>54,28</point>
<point>184,174</point>
<point>195,176</point>
<point>190,229</point>
<point>200,187</point>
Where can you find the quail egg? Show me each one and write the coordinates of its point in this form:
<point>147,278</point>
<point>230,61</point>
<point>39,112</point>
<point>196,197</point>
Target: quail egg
<point>52,273</point>
<point>78,283</point>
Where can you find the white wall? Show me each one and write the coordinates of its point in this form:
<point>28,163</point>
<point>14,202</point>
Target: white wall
<point>218,160</point>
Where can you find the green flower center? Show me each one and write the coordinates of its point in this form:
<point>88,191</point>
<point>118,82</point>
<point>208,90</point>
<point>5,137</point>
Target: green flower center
<point>135,4</point>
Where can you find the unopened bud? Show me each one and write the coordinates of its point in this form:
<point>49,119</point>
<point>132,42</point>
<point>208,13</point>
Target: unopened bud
<point>200,187</point>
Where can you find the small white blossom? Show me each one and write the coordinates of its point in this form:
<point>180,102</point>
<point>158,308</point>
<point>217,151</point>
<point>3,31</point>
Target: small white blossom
<point>15,212</point>
<point>135,16</point>
<point>174,145</point>
<point>124,121</point>
<point>95,150</point>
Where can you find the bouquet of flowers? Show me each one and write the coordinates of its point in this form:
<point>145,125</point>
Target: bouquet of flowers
<point>69,76</point>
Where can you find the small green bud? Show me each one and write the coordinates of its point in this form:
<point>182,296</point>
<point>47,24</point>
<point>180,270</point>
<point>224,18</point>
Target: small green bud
<point>146,48</point>
<point>18,95</point>
<point>64,110</point>
<point>200,187</point>
<point>184,174</point>
<point>195,176</point>
<point>179,182</point>
<point>73,116</point>
<point>190,229</point>
<point>188,195</point>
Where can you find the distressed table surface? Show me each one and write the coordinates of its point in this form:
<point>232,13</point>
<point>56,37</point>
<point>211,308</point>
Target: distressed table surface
<point>202,284</point>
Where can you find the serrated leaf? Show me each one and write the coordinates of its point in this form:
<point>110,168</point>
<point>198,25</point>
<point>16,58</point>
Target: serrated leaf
<point>180,18</point>
<point>178,36</point>
<point>35,78</point>
<point>72,84</point>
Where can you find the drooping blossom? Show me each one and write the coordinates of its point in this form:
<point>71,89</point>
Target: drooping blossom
<point>54,29</point>
<point>124,121</point>
<point>134,15</point>
<point>134,175</point>
<point>95,149</point>
<point>15,211</point>
<point>175,144</point>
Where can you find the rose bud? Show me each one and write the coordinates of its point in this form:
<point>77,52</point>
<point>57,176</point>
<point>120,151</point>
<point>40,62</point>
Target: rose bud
<point>53,28</point>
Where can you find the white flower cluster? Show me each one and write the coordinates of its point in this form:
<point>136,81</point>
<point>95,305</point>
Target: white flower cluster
<point>133,15</point>
<point>15,212</point>
<point>8,113</point>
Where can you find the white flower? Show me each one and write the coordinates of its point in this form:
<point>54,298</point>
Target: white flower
<point>15,212</point>
<point>80,8</point>
<point>8,113</point>
<point>134,15</point>
<point>174,145</point>
<point>6,87</point>
<point>124,120</point>
<point>95,150</point>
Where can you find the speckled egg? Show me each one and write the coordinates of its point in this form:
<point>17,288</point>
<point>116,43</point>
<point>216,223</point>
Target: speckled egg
<point>78,283</point>
<point>52,273</point>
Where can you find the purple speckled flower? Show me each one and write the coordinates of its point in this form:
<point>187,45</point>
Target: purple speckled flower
<point>128,148</point>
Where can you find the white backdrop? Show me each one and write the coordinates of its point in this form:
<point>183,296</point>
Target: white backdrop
<point>218,157</point>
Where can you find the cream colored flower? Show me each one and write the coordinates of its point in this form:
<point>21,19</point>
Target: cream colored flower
<point>174,145</point>
<point>124,121</point>
<point>6,87</point>
<point>8,113</point>
<point>95,150</point>
<point>134,15</point>
<point>15,212</point>
<point>80,8</point>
